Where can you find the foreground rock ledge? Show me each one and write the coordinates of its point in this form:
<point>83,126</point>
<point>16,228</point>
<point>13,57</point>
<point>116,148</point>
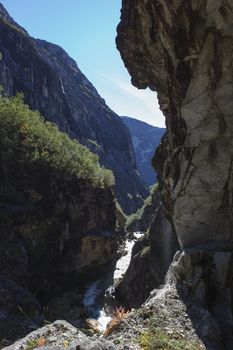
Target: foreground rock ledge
<point>192,310</point>
<point>57,336</point>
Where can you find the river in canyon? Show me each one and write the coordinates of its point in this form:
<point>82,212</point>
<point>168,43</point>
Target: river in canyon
<point>94,295</point>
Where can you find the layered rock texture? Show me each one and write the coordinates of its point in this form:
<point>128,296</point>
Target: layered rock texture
<point>183,50</point>
<point>145,139</point>
<point>53,84</point>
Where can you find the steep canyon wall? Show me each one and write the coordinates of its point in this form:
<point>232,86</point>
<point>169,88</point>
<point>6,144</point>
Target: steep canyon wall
<point>52,83</point>
<point>183,50</point>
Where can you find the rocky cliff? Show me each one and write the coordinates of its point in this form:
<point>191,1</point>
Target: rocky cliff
<point>141,220</point>
<point>183,50</point>
<point>150,261</point>
<point>57,217</point>
<point>53,84</point>
<point>146,139</point>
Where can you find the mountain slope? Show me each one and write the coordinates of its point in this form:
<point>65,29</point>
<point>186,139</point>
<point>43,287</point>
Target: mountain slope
<point>145,139</point>
<point>57,216</point>
<point>53,84</point>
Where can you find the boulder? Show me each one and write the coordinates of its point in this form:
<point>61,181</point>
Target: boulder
<point>58,336</point>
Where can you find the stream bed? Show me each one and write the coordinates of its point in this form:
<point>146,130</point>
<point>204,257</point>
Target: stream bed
<point>94,295</point>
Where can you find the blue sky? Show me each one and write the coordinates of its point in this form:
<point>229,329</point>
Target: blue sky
<point>86,29</point>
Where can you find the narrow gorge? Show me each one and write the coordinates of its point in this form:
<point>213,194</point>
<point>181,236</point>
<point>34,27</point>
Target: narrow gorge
<point>61,229</point>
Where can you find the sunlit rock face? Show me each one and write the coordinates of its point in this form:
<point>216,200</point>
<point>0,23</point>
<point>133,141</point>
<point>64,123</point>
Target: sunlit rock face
<point>53,84</point>
<point>183,50</point>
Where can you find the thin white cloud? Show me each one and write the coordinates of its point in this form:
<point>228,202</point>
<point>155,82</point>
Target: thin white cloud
<point>125,99</point>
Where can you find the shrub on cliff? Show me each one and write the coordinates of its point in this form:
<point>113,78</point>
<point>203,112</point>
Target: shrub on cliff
<point>140,220</point>
<point>26,138</point>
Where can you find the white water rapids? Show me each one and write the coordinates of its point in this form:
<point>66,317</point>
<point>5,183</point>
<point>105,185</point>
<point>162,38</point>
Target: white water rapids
<point>98,287</point>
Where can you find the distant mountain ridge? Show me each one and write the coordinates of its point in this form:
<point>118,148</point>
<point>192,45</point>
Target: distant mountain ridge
<point>53,84</point>
<point>145,139</point>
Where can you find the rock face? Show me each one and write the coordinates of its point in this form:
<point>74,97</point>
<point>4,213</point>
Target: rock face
<point>151,258</point>
<point>58,336</point>
<point>57,226</point>
<point>60,222</point>
<point>60,240</point>
<point>53,84</point>
<point>68,243</point>
<point>141,220</point>
<point>183,51</point>
<point>145,139</point>
<point>193,308</point>
<point>202,279</point>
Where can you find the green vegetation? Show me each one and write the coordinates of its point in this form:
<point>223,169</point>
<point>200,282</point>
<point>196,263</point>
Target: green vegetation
<point>139,213</point>
<point>145,251</point>
<point>93,143</point>
<point>121,217</point>
<point>31,344</point>
<point>35,343</point>
<point>158,336</point>
<point>27,139</point>
<point>158,339</point>
<point>121,212</point>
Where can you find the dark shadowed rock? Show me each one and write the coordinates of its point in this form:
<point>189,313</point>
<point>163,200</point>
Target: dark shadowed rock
<point>57,226</point>
<point>68,230</point>
<point>20,311</point>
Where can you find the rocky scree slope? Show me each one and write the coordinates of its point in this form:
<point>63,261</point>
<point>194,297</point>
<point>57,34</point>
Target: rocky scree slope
<point>145,139</point>
<point>57,217</point>
<point>53,84</point>
<point>183,50</point>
